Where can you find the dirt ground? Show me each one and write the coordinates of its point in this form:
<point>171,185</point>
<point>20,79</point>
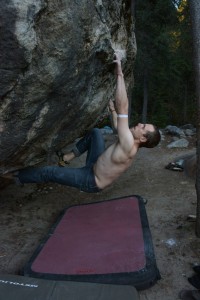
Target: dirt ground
<point>28,212</point>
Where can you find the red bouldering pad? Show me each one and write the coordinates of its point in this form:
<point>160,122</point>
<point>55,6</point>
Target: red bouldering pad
<point>103,242</point>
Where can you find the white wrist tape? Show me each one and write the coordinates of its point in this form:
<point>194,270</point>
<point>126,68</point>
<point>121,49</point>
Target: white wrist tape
<point>122,116</point>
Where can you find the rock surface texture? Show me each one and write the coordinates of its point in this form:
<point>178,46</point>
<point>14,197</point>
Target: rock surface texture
<point>57,72</point>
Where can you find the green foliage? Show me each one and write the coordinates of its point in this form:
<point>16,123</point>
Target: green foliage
<point>165,55</point>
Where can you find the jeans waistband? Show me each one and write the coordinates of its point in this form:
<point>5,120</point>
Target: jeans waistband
<point>91,186</point>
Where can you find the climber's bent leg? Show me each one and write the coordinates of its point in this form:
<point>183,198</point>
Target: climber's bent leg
<point>92,142</point>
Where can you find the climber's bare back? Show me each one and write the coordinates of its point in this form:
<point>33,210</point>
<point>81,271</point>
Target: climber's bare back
<point>111,164</point>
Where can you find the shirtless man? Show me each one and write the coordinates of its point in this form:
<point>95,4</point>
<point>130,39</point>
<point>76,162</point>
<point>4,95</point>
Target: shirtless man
<point>102,166</point>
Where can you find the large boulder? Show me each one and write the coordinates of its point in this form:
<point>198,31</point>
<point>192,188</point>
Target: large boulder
<point>57,72</point>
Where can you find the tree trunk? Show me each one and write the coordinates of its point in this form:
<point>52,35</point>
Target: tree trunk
<point>145,97</point>
<point>185,103</point>
<point>133,7</point>
<point>195,17</point>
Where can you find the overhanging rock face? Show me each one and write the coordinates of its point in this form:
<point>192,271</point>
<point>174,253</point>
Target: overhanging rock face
<point>57,72</point>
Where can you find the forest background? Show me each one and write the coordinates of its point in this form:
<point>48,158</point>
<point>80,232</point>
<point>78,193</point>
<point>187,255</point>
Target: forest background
<point>164,79</point>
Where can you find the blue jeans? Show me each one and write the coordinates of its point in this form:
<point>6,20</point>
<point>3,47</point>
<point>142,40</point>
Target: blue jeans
<point>81,178</point>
